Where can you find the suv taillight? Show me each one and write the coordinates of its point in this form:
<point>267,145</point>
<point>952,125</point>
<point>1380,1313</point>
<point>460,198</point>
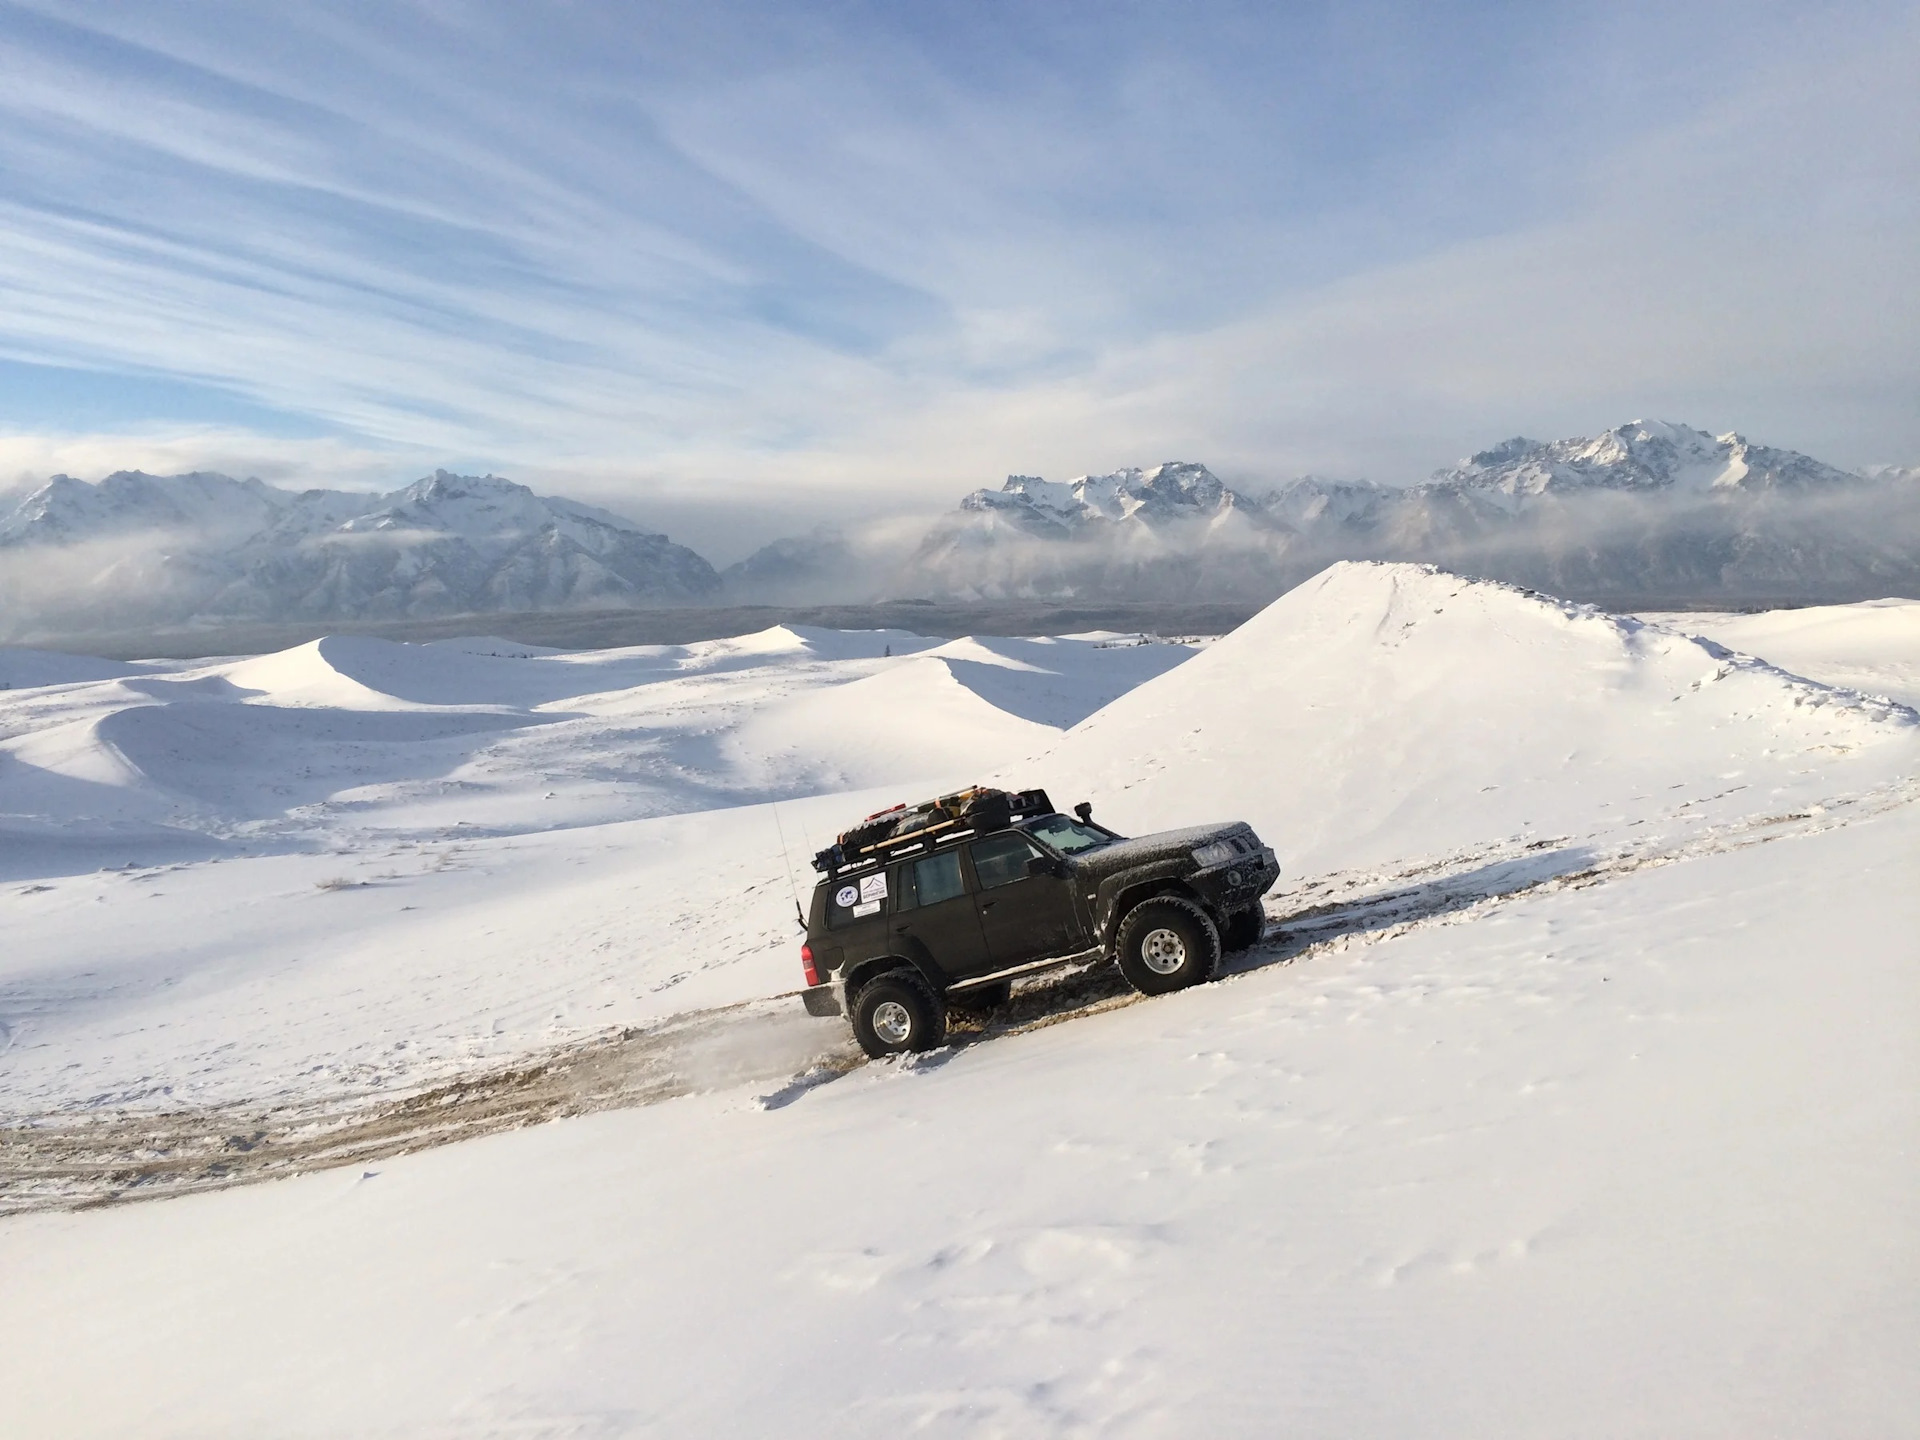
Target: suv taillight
<point>807,966</point>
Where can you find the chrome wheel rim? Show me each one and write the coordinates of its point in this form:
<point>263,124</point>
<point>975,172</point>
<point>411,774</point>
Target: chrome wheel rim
<point>892,1022</point>
<point>1163,951</point>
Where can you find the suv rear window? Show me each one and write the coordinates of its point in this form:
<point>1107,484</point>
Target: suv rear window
<point>853,900</point>
<point>929,881</point>
<point>1001,859</point>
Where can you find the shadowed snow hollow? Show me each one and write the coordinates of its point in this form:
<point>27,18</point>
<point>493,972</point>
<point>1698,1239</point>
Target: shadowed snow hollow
<point>354,734</point>
<point>1382,711</point>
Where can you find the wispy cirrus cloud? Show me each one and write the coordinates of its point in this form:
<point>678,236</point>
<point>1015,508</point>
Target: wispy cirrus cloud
<point>671,253</point>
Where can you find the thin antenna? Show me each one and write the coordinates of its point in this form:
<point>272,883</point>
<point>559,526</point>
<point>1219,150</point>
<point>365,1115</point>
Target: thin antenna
<point>787,861</point>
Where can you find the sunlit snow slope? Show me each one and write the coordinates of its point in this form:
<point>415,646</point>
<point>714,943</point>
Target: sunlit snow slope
<point>1627,1151</point>
<point>1873,646</point>
<point>1380,713</point>
<point>358,863</point>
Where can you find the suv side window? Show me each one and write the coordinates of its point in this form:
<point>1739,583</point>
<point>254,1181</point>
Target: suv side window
<point>1002,859</point>
<point>929,881</point>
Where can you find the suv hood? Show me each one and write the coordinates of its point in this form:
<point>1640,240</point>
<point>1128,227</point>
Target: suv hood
<point>1096,865</point>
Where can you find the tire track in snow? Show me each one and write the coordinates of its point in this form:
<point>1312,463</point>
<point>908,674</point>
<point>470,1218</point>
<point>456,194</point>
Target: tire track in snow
<point>79,1160</point>
<point>82,1159</point>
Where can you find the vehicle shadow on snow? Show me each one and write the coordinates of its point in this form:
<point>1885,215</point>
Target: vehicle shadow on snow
<point>1289,935</point>
<point>1431,898</point>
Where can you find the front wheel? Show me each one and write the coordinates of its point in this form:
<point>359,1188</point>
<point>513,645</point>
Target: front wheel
<point>1166,943</point>
<point>896,1013</point>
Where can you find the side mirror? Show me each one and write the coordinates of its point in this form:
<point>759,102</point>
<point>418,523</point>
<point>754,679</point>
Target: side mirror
<point>1085,811</point>
<point>1045,865</point>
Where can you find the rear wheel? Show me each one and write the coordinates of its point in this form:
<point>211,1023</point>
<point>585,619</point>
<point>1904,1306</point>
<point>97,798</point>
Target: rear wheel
<point>1166,943</point>
<point>896,1013</point>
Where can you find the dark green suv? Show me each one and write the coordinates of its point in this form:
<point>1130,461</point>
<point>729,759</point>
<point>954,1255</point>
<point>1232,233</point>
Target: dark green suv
<point>952,912</point>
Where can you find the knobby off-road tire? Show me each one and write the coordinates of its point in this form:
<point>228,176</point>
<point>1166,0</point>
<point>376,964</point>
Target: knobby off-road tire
<point>1166,943</point>
<point>898,1012</point>
<point>1244,928</point>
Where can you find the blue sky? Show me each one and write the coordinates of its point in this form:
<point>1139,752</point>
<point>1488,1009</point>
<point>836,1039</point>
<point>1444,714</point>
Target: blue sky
<point>729,265</point>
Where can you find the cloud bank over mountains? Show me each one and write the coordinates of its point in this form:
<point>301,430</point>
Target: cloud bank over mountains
<point>1647,509</point>
<point>137,551</point>
<point>749,250</point>
<point>1648,512</point>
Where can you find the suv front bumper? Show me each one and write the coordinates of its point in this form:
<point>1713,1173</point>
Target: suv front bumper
<point>1241,881</point>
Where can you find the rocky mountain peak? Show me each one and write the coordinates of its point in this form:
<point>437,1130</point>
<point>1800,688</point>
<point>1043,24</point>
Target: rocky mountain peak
<point>1500,454</point>
<point>1648,508</point>
<point>1313,500</point>
<point>206,547</point>
<point>1642,455</point>
<point>67,511</point>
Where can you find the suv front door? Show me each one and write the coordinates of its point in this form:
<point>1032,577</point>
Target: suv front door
<point>1025,916</point>
<point>933,907</point>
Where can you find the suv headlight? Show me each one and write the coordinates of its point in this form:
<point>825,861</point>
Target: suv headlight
<point>1218,853</point>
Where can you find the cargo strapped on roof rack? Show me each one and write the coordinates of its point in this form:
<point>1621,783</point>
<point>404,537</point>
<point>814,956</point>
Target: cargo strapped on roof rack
<point>908,827</point>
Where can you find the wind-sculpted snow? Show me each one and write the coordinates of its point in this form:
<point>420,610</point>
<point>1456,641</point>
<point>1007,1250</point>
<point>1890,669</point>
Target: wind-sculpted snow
<point>1057,682</point>
<point>1572,1071</point>
<point>351,733</point>
<point>1379,703</point>
<point>367,783</point>
<point>31,669</point>
<point>1380,716</point>
<point>1562,1167</point>
<point>1872,647</point>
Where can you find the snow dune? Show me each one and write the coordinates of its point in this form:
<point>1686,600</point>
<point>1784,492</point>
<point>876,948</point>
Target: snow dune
<point>30,669</point>
<point>1379,721</point>
<point>1873,646</point>
<point>1056,681</point>
<point>1629,1155</point>
<point>522,847</point>
<point>517,847</point>
<point>1384,712</point>
<point>347,735</point>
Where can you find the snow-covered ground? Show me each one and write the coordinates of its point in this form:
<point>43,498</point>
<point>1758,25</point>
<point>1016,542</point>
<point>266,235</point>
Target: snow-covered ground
<point>1873,646</point>
<point>358,864</point>
<point>1575,1095</point>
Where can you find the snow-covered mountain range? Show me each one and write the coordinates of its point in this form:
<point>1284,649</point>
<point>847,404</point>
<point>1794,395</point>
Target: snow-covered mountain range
<point>205,548</point>
<point>1648,508</point>
<point>1645,513</point>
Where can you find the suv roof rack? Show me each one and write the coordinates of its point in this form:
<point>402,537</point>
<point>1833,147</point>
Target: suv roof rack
<point>878,839</point>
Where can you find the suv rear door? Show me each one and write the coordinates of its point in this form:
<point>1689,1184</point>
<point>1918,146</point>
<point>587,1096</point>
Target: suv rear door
<point>933,907</point>
<point>1024,916</point>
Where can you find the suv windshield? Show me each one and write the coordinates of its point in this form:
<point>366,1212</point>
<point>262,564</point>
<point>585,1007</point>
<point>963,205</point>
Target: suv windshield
<point>1069,837</point>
